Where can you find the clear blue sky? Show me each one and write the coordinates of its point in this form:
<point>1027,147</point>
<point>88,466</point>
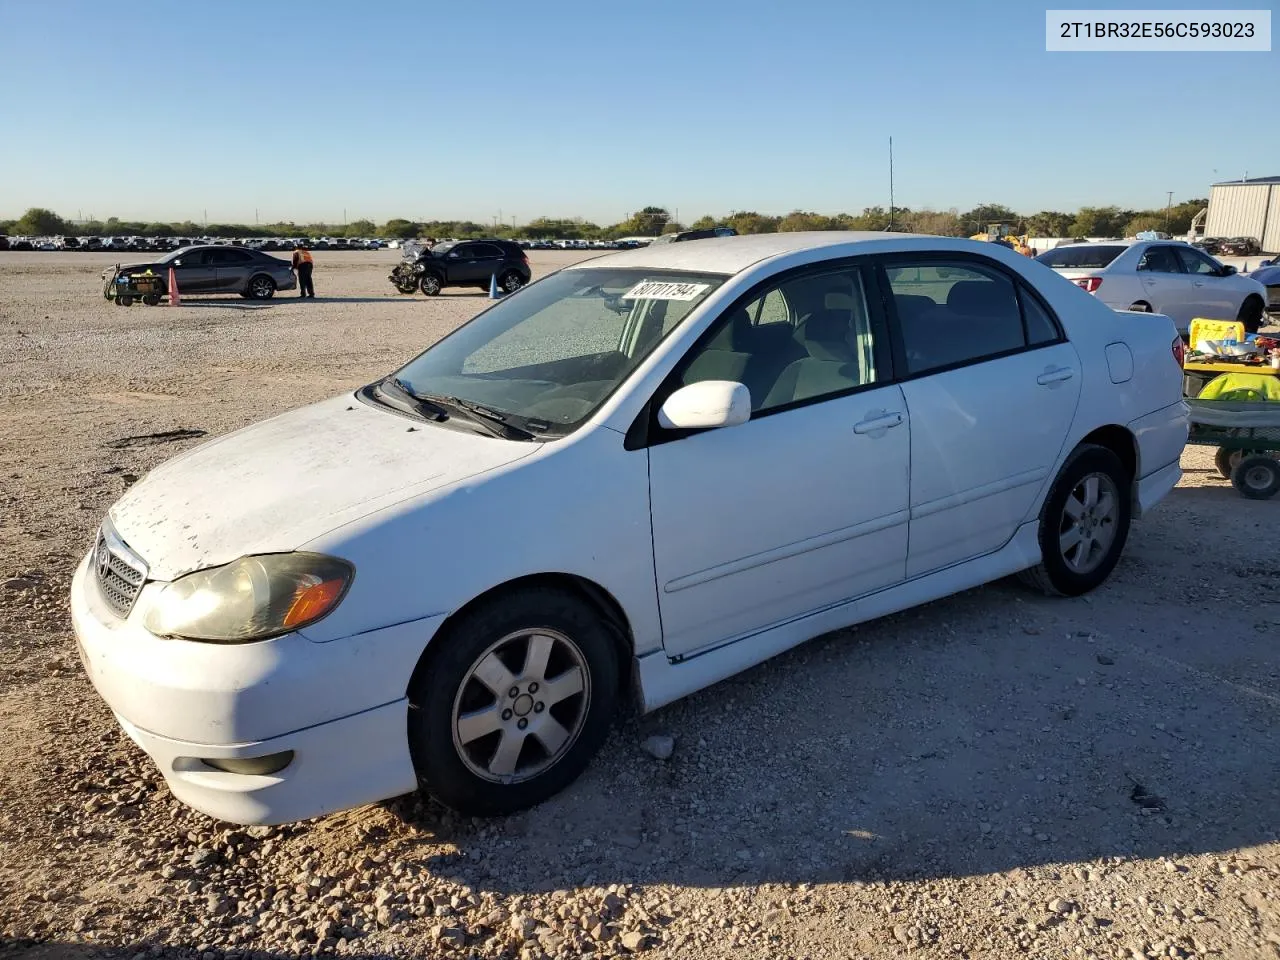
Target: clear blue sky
<point>595,108</point>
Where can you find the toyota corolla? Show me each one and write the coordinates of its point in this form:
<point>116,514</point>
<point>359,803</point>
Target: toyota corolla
<point>626,481</point>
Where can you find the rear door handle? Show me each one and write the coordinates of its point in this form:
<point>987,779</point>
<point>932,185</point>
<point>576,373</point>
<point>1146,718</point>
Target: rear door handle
<point>1058,375</point>
<point>878,423</point>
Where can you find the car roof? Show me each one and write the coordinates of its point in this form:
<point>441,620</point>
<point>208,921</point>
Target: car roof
<point>730,255</point>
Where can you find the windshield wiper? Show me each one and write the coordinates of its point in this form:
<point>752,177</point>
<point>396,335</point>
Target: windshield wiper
<point>393,388</point>
<point>494,421</point>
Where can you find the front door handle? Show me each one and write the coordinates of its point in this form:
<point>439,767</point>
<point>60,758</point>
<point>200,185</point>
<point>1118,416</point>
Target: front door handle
<point>1197,283</point>
<point>878,422</point>
<point>1055,375</point>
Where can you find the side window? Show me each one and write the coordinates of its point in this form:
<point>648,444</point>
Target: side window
<point>1159,260</point>
<point>828,350</point>
<point>1194,262</point>
<point>771,308</point>
<point>463,251</point>
<point>1041,327</point>
<point>953,313</point>
<point>226,258</point>
<point>485,250</point>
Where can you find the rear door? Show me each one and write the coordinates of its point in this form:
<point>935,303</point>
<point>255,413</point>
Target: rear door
<point>1210,295</point>
<point>991,388</point>
<point>233,268</point>
<point>1165,285</point>
<point>488,260</point>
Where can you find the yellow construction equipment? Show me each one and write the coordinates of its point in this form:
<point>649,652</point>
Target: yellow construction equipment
<point>1001,234</point>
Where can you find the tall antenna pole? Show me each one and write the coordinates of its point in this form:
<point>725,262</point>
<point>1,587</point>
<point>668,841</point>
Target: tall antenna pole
<point>891,184</point>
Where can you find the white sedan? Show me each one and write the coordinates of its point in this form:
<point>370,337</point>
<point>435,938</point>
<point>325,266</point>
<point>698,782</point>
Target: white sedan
<point>629,480</point>
<point>1161,276</point>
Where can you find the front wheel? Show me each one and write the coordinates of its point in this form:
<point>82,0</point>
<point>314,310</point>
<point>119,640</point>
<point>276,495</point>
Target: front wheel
<point>1083,525</point>
<point>431,284</point>
<point>261,288</point>
<point>512,702</point>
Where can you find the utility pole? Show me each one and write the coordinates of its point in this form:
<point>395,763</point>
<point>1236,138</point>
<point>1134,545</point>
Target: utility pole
<point>1167,206</point>
<point>255,216</point>
<point>891,184</point>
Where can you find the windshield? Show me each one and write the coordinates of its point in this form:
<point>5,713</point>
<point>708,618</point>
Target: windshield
<point>553,352</point>
<point>1083,256</point>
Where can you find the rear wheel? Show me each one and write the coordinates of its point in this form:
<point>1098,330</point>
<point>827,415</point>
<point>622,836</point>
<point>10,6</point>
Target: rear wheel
<point>1083,525</point>
<point>1251,314</point>
<point>512,702</point>
<point>1257,477</point>
<point>261,287</point>
<point>431,284</point>
<point>510,282</point>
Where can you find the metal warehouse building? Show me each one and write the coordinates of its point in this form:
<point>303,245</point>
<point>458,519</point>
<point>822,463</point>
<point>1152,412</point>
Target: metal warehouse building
<point>1246,208</point>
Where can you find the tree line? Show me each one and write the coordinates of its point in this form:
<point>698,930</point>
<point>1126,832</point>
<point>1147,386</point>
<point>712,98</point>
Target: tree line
<point>651,221</point>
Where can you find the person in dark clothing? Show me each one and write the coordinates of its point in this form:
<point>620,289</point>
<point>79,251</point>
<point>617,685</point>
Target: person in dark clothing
<point>303,263</point>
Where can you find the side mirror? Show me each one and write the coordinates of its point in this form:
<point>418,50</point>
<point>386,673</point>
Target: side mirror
<point>706,406</point>
<point>1228,270</point>
<point>178,262</point>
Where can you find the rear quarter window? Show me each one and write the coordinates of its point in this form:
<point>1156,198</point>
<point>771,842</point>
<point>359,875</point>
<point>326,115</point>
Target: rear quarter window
<point>1081,257</point>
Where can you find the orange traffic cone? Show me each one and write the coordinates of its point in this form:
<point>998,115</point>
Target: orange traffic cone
<point>173,287</point>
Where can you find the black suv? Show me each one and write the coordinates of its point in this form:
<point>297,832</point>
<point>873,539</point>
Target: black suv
<point>462,263</point>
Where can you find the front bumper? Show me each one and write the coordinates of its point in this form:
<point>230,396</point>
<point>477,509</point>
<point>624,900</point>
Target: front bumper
<point>339,707</point>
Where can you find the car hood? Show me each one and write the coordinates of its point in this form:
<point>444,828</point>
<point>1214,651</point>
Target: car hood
<point>1265,275</point>
<point>278,484</point>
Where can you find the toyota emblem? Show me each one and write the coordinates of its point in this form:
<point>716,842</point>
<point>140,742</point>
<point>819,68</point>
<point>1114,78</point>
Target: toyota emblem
<point>104,560</point>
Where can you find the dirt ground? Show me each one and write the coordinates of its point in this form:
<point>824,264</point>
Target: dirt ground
<point>994,775</point>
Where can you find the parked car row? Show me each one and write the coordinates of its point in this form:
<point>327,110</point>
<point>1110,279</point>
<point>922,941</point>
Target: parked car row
<point>174,243</point>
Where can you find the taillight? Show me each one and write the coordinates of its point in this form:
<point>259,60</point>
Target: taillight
<point>1179,351</point>
<point>1088,284</point>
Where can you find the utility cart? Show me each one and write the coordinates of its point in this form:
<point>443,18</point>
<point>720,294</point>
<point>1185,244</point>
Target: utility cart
<point>124,288</point>
<point>1247,435</point>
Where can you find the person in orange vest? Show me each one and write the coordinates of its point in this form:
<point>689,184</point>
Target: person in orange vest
<point>303,263</point>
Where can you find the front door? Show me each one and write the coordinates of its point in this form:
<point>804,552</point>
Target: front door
<point>805,505</point>
<point>195,272</point>
<point>462,264</point>
<point>991,388</point>
<point>1211,293</point>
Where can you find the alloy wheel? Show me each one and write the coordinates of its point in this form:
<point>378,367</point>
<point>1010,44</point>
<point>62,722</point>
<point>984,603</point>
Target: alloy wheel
<point>1089,522</point>
<point>522,705</point>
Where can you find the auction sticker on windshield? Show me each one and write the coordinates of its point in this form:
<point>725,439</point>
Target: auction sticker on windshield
<point>665,290</point>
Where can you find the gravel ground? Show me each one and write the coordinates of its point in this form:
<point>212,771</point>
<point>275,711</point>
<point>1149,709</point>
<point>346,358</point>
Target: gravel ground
<point>992,775</point>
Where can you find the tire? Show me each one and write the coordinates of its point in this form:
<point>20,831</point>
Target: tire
<point>261,287</point>
<point>431,284</point>
<point>1062,571</point>
<point>1257,477</point>
<point>151,299</point>
<point>125,301</point>
<point>473,771</point>
<point>1141,306</point>
<point>407,288</point>
<point>510,282</point>
<point>1226,459</point>
<point>1251,314</point>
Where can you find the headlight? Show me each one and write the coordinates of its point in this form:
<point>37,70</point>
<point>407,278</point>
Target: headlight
<point>252,598</point>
